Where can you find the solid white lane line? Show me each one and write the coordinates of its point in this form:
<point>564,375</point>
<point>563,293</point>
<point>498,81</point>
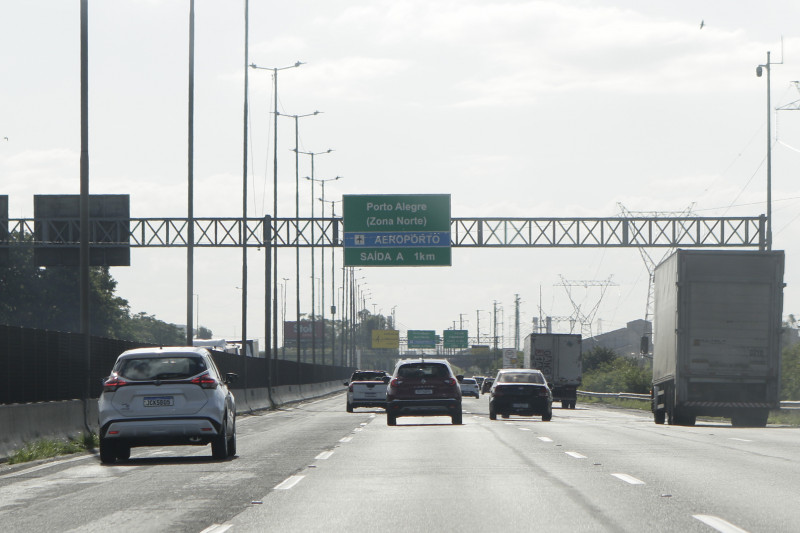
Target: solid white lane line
<point>545,439</point>
<point>524,429</point>
<point>629,479</point>
<point>345,439</point>
<point>324,455</point>
<point>289,482</point>
<point>740,440</point>
<point>719,524</point>
<point>576,455</point>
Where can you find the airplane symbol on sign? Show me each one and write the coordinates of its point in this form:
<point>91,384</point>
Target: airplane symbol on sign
<point>359,239</point>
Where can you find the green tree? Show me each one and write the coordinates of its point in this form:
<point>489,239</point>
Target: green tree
<point>596,357</point>
<point>49,298</point>
<point>790,373</point>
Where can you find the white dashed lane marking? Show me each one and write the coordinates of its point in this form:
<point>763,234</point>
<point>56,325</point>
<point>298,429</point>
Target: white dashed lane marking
<point>719,524</point>
<point>629,479</point>
<point>289,482</point>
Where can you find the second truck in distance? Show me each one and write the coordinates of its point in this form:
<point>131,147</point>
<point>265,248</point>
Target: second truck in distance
<point>558,356</point>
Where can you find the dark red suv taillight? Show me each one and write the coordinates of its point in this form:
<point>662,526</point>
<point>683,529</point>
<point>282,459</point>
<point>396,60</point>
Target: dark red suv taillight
<point>205,381</point>
<point>113,383</point>
<point>450,381</point>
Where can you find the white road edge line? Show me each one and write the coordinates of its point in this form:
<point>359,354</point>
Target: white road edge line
<point>629,479</point>
<point>345,439</point>
<point>324,455</point>
<point>545,439</point>
<point>46,465</point>
<point>576,455</point>
<point>217,528</point>
<point>289,482</point>
<point>740,440</point>
<point>524,429</point>
<point>718,523</point>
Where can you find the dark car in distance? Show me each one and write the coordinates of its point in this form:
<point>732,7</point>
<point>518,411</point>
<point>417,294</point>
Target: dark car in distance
<point>423,387</point>
<point>520,391</point>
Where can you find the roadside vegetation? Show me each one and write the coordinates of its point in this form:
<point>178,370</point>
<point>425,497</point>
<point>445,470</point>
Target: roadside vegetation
<point>606,371</point>
<point>46,448</point>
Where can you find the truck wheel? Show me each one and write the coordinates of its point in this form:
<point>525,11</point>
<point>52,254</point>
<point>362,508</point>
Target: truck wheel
<point>547,416</point>
<point>349,407</point>
<point>492,412</point>
<point>565,404</point>
<point>659,417</point>
<point>391,420</point>
<point>572,404</point>
<point>750,419</point>
<point>457,418</point>
<point>505,415</point>
<point>682,419</point>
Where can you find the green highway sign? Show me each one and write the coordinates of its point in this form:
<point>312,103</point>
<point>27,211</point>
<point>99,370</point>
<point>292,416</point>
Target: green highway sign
<point>396,230</point>
<point>456,338</point>
<point>421,338</point>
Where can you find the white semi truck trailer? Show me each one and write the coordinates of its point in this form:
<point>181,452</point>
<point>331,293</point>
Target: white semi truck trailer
<point>558,356</point>
<point>716,336</point>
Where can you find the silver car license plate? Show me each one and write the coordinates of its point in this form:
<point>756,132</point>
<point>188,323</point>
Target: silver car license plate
<point>159,401</point>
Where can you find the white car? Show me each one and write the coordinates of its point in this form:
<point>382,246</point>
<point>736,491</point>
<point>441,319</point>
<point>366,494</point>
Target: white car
<point>469,387</point>
<point>166,396</point>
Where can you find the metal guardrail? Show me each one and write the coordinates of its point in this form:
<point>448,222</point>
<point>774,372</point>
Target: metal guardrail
<point>646,397</point>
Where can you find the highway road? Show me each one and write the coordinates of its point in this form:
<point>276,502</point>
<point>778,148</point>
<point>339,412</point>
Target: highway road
<point>315,467</point>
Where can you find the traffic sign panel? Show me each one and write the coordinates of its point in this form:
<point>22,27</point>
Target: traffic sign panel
<point>421,338</point>
<point>397,230</point>
<point>385,338</point>
<point>456,338</point>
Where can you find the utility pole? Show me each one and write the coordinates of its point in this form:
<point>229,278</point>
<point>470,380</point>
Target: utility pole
<point>516,322</point>
<point>494,318</point>
<point>478,314</point>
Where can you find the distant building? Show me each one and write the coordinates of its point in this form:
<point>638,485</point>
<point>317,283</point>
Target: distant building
<point>626,341</point>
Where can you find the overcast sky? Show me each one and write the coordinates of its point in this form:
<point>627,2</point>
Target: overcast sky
<point>516,109</point>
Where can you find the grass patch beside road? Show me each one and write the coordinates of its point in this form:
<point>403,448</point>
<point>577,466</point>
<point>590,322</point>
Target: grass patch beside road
<point>46,448</point>
<point>617,402</point>
<point>782,417</point>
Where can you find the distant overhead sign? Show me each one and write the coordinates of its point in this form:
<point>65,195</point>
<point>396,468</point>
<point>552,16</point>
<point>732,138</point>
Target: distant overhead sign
<point>422,338</point>
<point>456,338</point>
<point>385,338</point>
<point>397,230</point>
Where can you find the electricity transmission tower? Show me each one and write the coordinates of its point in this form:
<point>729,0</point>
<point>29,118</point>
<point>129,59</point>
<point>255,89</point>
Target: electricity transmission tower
<point>585,318</point>
<point>649,262</point>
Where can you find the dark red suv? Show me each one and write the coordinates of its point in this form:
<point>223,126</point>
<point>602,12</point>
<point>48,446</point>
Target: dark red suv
<point>423,387</point>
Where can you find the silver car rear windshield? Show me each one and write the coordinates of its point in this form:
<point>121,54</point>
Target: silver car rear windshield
<point>521,377</point>
<point>153,368</point>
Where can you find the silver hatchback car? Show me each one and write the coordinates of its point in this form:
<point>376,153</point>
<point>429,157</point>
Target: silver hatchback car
<point>166,396</point>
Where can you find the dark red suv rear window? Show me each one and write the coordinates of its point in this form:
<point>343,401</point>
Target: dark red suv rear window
<point>423,370</point>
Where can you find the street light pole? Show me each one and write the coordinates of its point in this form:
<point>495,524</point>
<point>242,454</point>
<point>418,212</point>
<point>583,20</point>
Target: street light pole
<point>313,243</point>
<point>322,282</point>
<point>297,215</point>
<point>275,196</point>
<point>759,70</point>
<point>333,285</point>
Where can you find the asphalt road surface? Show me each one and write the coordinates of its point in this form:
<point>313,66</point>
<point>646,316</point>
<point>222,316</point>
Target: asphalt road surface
<point>315,467</point>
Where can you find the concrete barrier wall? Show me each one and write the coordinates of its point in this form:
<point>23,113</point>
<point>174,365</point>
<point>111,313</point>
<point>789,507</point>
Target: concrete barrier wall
<point>23,423</point>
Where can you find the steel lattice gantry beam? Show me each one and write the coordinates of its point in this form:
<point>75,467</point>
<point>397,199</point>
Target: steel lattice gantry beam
<point>684,232</point>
